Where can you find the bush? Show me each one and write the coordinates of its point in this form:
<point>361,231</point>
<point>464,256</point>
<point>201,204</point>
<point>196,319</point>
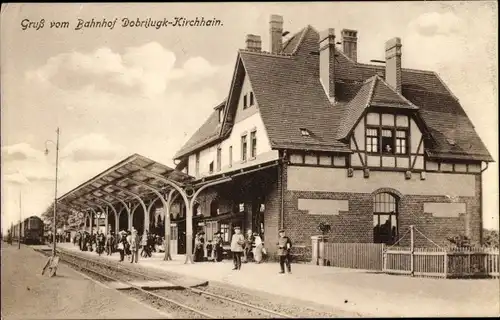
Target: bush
<point>324,228</point>
<point>460,241</point>
<point>490,238</point>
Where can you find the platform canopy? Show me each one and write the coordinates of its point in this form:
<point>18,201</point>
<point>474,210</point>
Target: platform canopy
<point>134,175</point>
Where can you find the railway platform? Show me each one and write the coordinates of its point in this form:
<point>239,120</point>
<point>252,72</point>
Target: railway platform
<point>27,294</point>
<point>359,292</point>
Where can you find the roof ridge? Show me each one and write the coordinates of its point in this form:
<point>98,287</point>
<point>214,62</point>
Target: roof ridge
<point>435,92</point>
<point>367,65</point>
<point>372,90</point>
<point>266,53</point>
<point>287,42</point>
<point>397,93</point>
<point>301,39</point>
<point>369,79</point>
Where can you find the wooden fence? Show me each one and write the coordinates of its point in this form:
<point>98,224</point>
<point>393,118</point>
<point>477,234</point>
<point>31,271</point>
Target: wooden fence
<point>442,262</point>
<point>368,256</point>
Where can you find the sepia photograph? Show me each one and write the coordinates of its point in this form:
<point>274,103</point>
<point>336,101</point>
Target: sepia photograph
<point>249,160</point>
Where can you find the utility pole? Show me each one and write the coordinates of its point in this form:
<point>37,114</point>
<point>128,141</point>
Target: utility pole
<point>53,261</point>
<point>20,222</point>
<point>54,229</point>
<point>55,193</point>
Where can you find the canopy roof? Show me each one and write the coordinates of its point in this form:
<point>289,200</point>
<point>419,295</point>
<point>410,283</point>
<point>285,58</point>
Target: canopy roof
<point>129,174</point>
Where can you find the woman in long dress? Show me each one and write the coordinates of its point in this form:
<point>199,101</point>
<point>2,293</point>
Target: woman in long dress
<point>218,246</point>
<point>257,254</point>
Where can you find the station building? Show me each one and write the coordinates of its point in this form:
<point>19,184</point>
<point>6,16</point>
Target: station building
<point>309,135</point>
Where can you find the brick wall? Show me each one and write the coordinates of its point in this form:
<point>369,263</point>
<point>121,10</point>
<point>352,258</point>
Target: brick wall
<point>356,225</point>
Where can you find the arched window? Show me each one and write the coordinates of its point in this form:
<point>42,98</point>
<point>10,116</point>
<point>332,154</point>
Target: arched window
<point>385,218</point>
<point>214,208</point>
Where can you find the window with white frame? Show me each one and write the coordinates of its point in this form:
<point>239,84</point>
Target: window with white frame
<point>253,144</point>
<point>244,147</point>
<point>386,140</point>
<point>219,158</point>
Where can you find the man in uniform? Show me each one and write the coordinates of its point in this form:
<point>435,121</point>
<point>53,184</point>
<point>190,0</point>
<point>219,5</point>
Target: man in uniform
<point>237,242</point>
<point>284,246</point>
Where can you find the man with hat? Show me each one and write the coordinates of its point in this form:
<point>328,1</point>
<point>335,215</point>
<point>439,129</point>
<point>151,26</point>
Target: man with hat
<point>237,242</point>
<point>284,246</point>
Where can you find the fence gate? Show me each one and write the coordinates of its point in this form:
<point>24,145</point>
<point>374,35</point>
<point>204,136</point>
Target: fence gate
<point>440,262</point>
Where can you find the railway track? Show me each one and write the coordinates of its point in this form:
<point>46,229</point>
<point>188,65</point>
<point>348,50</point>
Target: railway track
<point>186,302</point>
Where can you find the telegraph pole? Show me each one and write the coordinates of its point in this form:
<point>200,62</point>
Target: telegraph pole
<point>55,193</point>
<point>20,222</point>
<point>54,259</point>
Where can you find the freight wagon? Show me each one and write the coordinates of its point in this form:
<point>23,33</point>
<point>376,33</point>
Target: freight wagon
<point>30,231</point>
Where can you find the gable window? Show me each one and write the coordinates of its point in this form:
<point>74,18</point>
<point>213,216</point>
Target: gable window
<point>230,156</point>
<point>251,99</point>
<point>400,141</point>
<point>387,140</point>
<point>211,167</point>
<point>219,158</point>
<point>197,168</point>
<point>244,148</point>
<point>371,140</point>
<point>245,105</point>
<point>253,144</point>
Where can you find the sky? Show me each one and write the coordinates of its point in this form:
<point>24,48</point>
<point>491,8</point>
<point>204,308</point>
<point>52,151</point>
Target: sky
<point>115,92</point>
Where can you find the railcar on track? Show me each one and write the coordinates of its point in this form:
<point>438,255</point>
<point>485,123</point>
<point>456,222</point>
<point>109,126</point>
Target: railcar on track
<point>30,231</point>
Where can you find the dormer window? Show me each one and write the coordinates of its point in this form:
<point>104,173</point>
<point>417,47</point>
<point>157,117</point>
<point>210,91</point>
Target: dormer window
<point>451,141</point>
<point>304,132</point>
<point>251,99</point>
<point>221,114</point>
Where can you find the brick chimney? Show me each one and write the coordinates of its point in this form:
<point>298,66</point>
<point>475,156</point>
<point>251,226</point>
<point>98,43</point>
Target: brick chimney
<point>253,42</point>
<point>327,61</point>
<point>350,43</point>
<point>393,63</point>
<point>275,33</point>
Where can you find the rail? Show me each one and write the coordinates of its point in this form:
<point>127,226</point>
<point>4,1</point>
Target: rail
<point>194,290</point>
<point>89,270</point>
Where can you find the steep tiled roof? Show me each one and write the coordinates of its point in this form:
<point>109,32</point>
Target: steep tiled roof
<point>291,45</point>
<point>442,113</point>
<point>207,133</point>
<point>355,107</point>
<point>291,97</point>
<point>374,92</point>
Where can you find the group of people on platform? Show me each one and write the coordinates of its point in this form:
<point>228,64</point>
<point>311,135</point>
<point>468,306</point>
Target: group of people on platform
<point>244,248</point>
<point>60,238</point>
<point>251,247</point>
<point>127,243</point>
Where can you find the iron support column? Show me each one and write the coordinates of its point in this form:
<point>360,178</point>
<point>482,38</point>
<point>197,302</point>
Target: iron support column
<point>144,208</point>
<point>166,212</point>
